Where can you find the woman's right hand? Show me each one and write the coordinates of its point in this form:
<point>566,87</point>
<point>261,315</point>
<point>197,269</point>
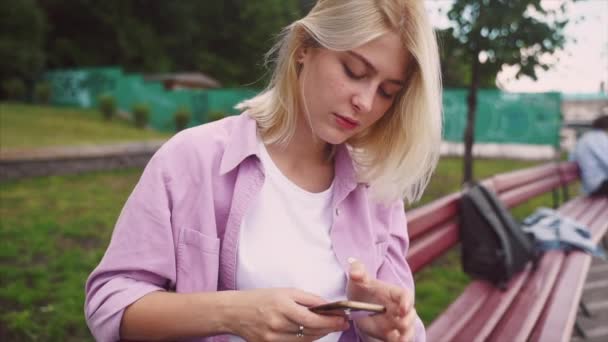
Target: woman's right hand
<point>277,314</point>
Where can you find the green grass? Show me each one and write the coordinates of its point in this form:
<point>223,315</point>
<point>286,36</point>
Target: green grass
<point>26,126</point>
<point>54,231</point>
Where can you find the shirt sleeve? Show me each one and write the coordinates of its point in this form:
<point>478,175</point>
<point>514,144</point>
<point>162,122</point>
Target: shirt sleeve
<point>395,268</point>
<point>592,160</point>
<point>140,257</point>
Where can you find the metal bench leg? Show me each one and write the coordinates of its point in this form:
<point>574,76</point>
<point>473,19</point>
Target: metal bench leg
<point>579,330</point>
<point>584,309</point>
<point>555,198</point>
<point>565,193</point>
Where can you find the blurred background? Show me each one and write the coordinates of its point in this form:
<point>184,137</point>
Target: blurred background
<point>90,89</point>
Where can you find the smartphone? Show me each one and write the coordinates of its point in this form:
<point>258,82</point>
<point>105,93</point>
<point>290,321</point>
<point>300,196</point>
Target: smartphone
<point>348,308</point>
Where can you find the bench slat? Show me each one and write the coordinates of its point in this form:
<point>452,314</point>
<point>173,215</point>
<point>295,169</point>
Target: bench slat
<point>507,181</point>
<point>432,214</point>
<point>458,314</point>
<point>569,172</point>
<point>519,195</point>
<point>517,326</point>
<point>485,319</point>
<point>569,290</point>
<point>428,247</point>
<point>529,304</point>
<point>568,168</point>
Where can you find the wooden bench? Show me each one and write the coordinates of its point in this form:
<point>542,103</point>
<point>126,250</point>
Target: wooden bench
<point>538,305</point>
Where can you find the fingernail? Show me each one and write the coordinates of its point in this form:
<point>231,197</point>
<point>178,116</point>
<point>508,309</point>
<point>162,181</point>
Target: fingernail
<point>351,260</point>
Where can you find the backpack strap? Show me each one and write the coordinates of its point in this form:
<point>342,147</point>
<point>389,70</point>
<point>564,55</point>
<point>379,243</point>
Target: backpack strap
<point>489,214</point>
<point>507,219</point>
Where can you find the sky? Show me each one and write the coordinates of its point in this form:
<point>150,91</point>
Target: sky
<point>579,68</point>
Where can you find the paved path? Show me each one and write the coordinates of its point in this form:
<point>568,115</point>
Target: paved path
<point>594,328</point>
<point>20,163</point>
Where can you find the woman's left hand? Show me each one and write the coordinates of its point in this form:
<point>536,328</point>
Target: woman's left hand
<point>397,323</point>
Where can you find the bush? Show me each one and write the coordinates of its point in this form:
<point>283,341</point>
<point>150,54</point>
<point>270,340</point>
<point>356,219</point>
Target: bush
<point>182,118</point>
<point>141,114</point>
<point>214,116</point>
<point>43,92</point>
<point>107,106</point>
<point>14,89</point>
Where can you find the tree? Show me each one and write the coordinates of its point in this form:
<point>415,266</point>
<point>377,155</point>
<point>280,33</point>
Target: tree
<point>22,30</point>
<point>455,66</point>
<point>494,33</point>
<point>225,39</point>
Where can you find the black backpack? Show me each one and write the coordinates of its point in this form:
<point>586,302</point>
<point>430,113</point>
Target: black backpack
<point>494,247</point>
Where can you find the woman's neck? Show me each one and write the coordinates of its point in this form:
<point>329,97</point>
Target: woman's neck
<point>304,148</point>
<point>304,159</point>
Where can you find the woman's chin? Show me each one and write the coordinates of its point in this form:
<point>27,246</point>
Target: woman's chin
<point>334,139</point>
<point>334,136</point>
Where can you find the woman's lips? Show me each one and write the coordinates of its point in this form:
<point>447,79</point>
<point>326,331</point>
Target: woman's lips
<point>345,122</point>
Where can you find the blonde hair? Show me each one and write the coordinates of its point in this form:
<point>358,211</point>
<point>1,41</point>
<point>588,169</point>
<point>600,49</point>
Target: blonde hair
<point>397,155</point>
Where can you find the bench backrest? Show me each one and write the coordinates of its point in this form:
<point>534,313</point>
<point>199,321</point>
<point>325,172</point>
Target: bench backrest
<point>433,228</point>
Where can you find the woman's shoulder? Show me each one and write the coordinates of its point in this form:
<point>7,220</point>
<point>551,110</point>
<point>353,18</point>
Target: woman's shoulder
<point>382,211</point>
<point>204,145</point>
<point>208,133</point>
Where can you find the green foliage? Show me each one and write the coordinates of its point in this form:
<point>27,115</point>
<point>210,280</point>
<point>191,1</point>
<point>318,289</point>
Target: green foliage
<point>107,106</point>
<point>214,116</point>
<point>25,126</point>
<point>506,32</point>
<point>141,115</point>
<point>22,38</point>
<point>456,67</point>
<point>42,92</point>
<point>14,89</point>
<point>225,39</point>
<point>182,118</point>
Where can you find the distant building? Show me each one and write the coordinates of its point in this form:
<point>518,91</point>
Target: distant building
<point>184,80</point>
<point>578,111</point>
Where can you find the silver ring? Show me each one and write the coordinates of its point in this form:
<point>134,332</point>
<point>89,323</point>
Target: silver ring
<point>300,332</point>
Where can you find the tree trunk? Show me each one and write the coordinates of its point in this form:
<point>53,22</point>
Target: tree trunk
<point>469,133</point>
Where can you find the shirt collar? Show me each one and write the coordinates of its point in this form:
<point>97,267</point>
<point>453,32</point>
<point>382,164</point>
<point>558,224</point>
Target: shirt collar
<point>243,142</point>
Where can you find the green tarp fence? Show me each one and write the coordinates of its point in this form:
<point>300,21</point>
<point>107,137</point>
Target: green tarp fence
<point>522,118</point>
<point>82,87</point>
<point>525,118</point>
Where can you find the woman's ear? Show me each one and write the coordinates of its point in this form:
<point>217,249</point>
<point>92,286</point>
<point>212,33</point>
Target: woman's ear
<point>300,54</point>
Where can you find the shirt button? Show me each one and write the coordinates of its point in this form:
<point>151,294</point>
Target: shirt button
<point>337,212</point>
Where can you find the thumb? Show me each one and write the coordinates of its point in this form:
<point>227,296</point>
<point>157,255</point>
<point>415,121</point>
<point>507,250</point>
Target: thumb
<point>305,298</point>
<point>357,272</point>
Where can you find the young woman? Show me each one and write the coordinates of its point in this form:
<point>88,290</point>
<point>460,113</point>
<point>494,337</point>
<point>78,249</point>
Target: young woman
<point>237,227</point>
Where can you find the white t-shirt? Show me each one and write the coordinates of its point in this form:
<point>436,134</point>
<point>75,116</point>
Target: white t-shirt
<point>284,240</point>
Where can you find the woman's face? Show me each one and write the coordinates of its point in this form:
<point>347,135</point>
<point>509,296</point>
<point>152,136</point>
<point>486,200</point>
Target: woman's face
<point>347,92</point>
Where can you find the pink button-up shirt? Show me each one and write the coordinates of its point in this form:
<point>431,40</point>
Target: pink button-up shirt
<point>179,228</point>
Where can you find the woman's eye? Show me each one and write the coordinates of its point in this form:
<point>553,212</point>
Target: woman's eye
<point>385,94</point>
<point>351,74</point>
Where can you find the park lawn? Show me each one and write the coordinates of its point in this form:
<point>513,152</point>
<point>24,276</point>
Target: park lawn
<point>54,230</point>
<point>31,126</point>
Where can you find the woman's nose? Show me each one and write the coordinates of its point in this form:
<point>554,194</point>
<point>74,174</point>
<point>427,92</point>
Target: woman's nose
<point>364,100</point>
